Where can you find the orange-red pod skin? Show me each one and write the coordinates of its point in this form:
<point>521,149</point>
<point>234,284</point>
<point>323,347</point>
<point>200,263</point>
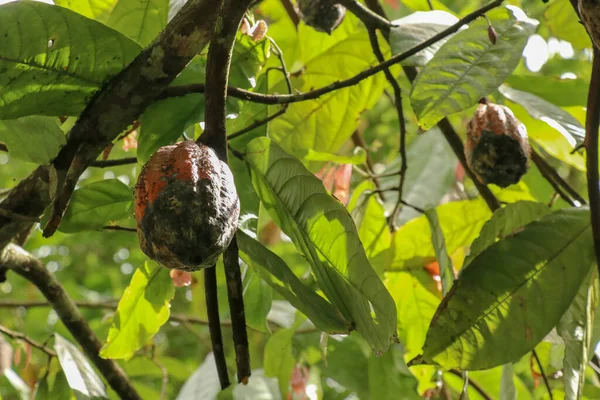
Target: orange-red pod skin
<point>186,206</point>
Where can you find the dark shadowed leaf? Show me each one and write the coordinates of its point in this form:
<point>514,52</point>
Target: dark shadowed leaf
<point>66,59</point>
<point>81,376</point>
<point>512,294</point>
<point>35,139</point>
<point>322,229</point>
<point>468,66</point>
<point>96,205</point>
<point>142,310</point>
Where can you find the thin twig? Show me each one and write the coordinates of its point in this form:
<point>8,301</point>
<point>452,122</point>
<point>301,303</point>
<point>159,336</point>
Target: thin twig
<point>473,384</point>
<point>214,324</point>
<point>546,382</point>
<point>113,163</point>
<point>592,122</point>
<point>550,175</point>
<point>358,141</point>
<point>21,217</point>
<point>400,112</point>
<point>291,12</point>
<point>21,262</point>
<point>21,336</point>
<point>118,228</point>
<point>165,377</point>
<point>174,91</point>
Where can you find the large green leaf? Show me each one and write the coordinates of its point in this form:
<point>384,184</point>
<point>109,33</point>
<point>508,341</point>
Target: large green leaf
<point>564,24</point>
<point>94,9</point>
<point>512,294</point>
<point>142,310</point>
<point>96,205</point>
<point>55,67</point>
<point>468,66</point>
<point>416,28</point>
<point>505,222</point>
<point>460,223</point>
<point>81,376</point>
<point>278,275</point>
<point>322,230</point>
<point>389,376</point>
<point>575,327</point>
<point>559,92</point>
<point>258,297</point>
<point>139,20</point>
<point>35,139</point>
<point>326,123</point>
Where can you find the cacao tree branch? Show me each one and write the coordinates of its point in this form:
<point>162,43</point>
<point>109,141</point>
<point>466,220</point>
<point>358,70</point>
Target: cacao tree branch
<point>126,96</point>
<point>215,136</point>
<point>183,90</point>
<point>113,163</point>
<point>592,122</point>
<point>21,336</point>
<point>16,259</point>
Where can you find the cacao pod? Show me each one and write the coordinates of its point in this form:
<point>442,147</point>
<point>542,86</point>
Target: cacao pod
<point>497,148</point>
<point>186,206</point>
<point>589,10</point>
<point>322,15</point>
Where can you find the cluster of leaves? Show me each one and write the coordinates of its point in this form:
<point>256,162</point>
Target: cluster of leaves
<point>317,268</point>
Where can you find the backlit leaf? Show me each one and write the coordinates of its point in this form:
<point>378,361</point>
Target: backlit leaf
<point>140,20</point>
<point>35,139</point>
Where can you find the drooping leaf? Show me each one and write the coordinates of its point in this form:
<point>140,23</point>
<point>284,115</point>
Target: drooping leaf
<point>139,20</point>
<point>558,92</point>
<point>35,139</point>
<point>575,327</point>
<point>389,376</point>
<point>507,383</point>
<point>203,383</point>
<point>441,253</point>
<point>468,66</point>
<point>324,232</point>
<point>97,205</point>
<point>460,222</point>
<point>512,294</point>
<point>278,275</point>
<point>81,376</point>
<point>258,296</point>
<point>369,216</point>
<point>504,222</point>
<point>142,310</point>
<point>55,68</point>
<point>94,9</point>
<point>416,28</point>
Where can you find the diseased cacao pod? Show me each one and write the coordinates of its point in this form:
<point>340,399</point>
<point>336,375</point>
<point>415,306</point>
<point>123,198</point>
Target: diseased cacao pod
<point>589,10</point>
<point>323,15</point>
<point>497,148</point>
<point>186,206</point>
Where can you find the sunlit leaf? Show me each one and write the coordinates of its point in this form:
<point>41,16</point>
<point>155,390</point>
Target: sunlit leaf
<point>139,20</point>
<point>55,68</point>
<point>564,24</point>
<point>96,205</point>
<point>468,66</point>
<point>94,9</point>
<point>324,232</point>
<point>359,157</point>
<point>35,139</point>
<point>81,376</point>
<point>512,294</point>
<point>142,310</point>
<point>559,92</point>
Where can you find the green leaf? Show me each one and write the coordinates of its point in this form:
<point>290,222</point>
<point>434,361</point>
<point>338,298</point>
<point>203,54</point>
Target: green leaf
<point>258,296</point>
<point>278,275</point>
<point>140,20</point>
<point>324,232</point>
<point>508,391</point>
<point>279,361</point>
<point>142,310</point>
<point>326,123</point>
<point>94,9</point>
<point>468,66</point>
<point>416,28</point>
<point>460,221</point>
<point>512,294</point>
<point>358,158</point>
<point>564,24</point>
<point>559,92</point>
<point>575,327</point>
<point>389,376</point>
<point>441,253</point>
<point>369,216</point>
<point>96,205</point>
<point>34,139</point>
<point>81,376</point>
<point>66,59</point>
<point>504,222</point>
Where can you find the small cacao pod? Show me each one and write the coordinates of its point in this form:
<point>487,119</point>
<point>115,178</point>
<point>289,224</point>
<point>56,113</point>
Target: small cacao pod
<point>323,15</point>
<point>497,148</point>
<point>589,10</point>
<point>186,206</point>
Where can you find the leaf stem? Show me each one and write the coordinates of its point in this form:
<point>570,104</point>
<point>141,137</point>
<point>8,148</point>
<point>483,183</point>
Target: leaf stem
<point>546,382</point>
